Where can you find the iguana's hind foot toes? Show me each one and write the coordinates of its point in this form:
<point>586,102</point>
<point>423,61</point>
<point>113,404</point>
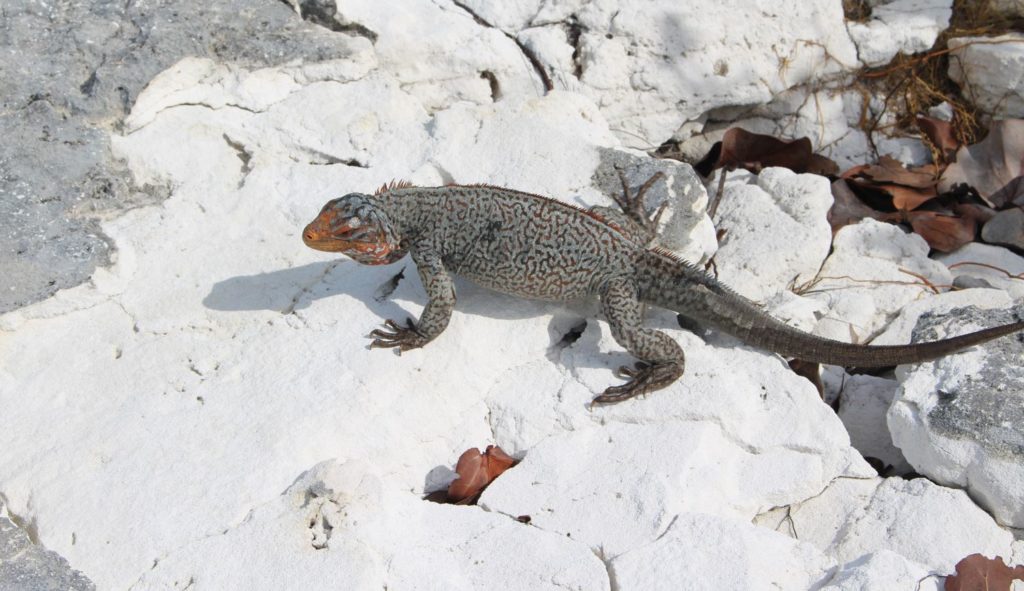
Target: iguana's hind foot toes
<point>402,338</point>
<point>643,378</point>
<point>628,372</point>
<point>633,205</point>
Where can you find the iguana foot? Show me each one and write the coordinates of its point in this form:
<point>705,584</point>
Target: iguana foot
<point>643,378</point>
<point>402,338</point>
<point>633,205</point>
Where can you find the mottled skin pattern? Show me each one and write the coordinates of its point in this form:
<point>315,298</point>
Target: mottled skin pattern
<point>534,247</point>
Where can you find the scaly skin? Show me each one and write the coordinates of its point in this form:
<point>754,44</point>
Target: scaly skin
<point>535,247</point>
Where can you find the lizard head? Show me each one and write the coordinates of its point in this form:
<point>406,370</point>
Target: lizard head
<point>356,227</point>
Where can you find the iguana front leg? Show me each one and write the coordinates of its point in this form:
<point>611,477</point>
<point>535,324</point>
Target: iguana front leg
<point>661,358</point>
<point>440,302</point>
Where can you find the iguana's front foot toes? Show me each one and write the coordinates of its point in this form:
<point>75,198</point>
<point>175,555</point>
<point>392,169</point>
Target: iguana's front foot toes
<point>403,338</point>
<point>643,378</point>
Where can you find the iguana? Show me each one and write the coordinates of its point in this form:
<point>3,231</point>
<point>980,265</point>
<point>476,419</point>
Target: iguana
<point>537,247</point>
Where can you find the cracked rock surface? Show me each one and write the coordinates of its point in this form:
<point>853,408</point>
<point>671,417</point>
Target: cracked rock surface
<point>27,566</point>
<point>203,411</point>
<point>71,72</point>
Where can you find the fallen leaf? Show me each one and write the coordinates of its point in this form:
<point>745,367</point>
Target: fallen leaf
<point>847,208</point>
<point>1012,192</point>
<point>977,212</point>
<point>940,133</point>
<point>740,148</point>
<point>990,165</point>
<point>908,198</point>
<point>943,232</point>
<point>890,170</point>
<point>476,471</point>
<point>811,371</point>
<point>978,573</point>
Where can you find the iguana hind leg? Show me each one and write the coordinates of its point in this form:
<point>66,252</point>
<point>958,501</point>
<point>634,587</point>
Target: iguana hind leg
<point>631,216</point>
<point>661,358</point>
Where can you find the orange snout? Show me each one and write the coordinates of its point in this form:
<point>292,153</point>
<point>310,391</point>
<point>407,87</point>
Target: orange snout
<point>318,235</point>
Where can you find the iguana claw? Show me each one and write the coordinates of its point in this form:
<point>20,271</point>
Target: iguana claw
<point>403,338</point>
<point>633,205</point>
<point>643,378</point>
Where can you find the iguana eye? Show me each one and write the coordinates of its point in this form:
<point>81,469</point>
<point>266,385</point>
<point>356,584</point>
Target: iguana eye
<point>354,222</point>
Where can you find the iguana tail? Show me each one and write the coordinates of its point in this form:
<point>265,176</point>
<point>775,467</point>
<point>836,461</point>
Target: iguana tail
<point>670,283</point>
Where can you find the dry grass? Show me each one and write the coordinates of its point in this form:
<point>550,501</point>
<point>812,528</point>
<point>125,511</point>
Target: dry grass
<point>856,10</point>
<point>912,84</point>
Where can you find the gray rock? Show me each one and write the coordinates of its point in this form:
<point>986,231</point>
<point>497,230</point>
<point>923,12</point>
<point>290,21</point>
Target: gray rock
<point>71,71</point>
<point>1006,228</point>
<point>26,566</point>
<point>960,419</point>
<point>988,70</point>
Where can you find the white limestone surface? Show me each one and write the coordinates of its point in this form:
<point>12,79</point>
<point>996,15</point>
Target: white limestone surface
<point>706,552</point>
<point>206,411</point>
<point>883,569</point>
<point>220,359</point>
<point>856,517</point>
<point>995,266</point>
<point>990,70</point>
<point>863,402</point>
<point>874,270</point>
<point>652,66</point>
<point>339,526</point>
<point>776,232</point>
<point>958,418</point>
<point>899,26</point>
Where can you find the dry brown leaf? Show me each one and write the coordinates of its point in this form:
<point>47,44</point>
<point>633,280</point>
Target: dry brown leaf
<point>908,198</point>
<point>740,148</point>
<point>940,133</point>
<point>811,371</point>
<point>890,170</point>
<point>991,164</point>
<point>847,208</point>
<point>1012,192</point>
<point>476,471</point>
<point>942,232</point>
<point>978,573</point>
<point>979,213</point>
<point>853,172</point>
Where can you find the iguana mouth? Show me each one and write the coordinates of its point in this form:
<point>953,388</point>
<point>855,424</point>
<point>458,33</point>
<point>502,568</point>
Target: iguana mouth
<point>314,237</point>
<point>367,247</point>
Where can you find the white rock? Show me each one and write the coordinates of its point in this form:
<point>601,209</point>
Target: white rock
<point>638,478</point>
<point>990,70</point>
<point>438,52</point>
<point>883,570</point>
<point>958,419</point>
<point>870,275</point>
<point>797,311</point>
<point>203,81</point>
<point>189,384</point>
<point>900,26</point>
<point>652,67</point>
<point>852,518</point>
<point>339,526</point>
<point>549,44</point>
<point>995,265</point>
<point>471,144</point>
<point>777,234</point>
<point>700,551</point>
<point>900,330</point>
<point>864,403</point>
